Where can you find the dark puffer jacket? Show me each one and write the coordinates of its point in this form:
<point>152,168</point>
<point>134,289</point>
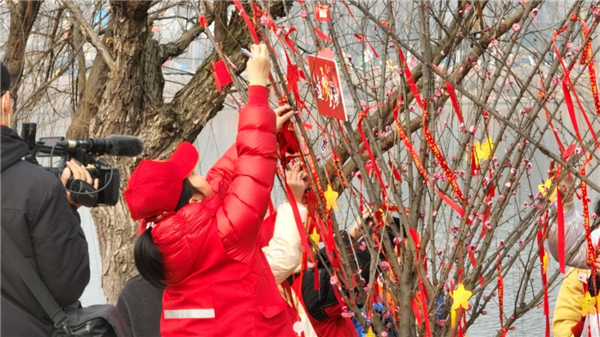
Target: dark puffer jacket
<point>46,228</point>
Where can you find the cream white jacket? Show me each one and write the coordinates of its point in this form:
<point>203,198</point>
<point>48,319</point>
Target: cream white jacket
<point>574,232</point>
<point>284,252</point>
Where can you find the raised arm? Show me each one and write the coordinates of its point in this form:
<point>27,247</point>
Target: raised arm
<point>284,252</point>
<point>246,201</point>
<point>220,174</point>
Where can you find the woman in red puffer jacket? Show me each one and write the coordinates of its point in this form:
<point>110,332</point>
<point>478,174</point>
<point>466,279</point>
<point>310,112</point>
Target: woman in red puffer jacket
<point>217,281</point>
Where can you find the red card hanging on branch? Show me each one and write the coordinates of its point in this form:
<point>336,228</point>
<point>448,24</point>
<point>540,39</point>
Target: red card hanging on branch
<point>221,75</point>
<point>327,85</point>
<point>322,13</point>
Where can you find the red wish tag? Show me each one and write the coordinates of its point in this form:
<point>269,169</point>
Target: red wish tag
<point>221,75</point>
<point>322,13</point>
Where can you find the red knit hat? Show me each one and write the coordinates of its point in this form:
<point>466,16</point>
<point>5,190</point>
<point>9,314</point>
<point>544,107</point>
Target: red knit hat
<point>155,186</point>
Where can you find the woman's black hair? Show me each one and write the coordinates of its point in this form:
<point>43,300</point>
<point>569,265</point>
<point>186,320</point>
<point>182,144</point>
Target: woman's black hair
<point>186,194</point>
<point>148,258</point>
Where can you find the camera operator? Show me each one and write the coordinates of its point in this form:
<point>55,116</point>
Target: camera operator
<point>44,224</point>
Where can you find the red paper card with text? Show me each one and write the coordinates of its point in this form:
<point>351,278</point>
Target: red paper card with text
<point>327,85</point>
<point>322,13</point>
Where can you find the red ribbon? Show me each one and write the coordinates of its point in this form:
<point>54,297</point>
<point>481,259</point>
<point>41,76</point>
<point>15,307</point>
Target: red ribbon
<point>440,158</point>
<point>501,294</point>
<point>420,167</point>
<point>247,20</point>
<point>568,84</point>
<point>361,116</point>
<point>560,218</point>
<point>409,78</point>
<point>585,57</point>
<point>323,35</point>
<point>454,102</point>
<point>540,240</point>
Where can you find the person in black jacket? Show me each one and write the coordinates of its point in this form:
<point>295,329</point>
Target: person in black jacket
<point>44,224</point>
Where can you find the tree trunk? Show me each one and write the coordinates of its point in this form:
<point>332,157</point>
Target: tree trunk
<point>23,15</point>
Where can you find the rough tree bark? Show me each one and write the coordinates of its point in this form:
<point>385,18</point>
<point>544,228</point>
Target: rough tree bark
<point>22,17</point>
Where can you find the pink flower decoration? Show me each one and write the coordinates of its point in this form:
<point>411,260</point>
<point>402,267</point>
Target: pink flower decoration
<point>264,20</point>
<point>516,27</point>
<point>555,80</point>
<point>467,7</point>
<point>363,103</point>
<point>569,45</point>
<point>303,14</point>
<point>534,12</point>
<point>494,42</point>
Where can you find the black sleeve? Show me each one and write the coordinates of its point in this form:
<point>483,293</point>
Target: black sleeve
<point>123,310</point>
<point>59,246</point>
<point>593,290</point>
<point>315,301</point>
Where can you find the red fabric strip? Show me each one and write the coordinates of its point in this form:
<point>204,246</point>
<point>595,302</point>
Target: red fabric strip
<point>361,116</point>
<point>420,167</point>
<point>560,218</point>
<point>409,78</point>
<point>440,158</point>
<point>454,101</point>
<point>323,35</point>
<point>247,20</point>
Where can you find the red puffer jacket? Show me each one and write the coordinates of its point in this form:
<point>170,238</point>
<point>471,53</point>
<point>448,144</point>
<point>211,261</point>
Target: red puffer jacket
<point>218,281</point>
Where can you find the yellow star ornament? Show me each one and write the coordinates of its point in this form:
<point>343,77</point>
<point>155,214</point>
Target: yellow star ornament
<point>461,297</point>
<point>587,304</point>
<point>331,197</point>
<point>390,66</point>
<point>370,333</point>
<point>315,236</point>
<point>483,150</point>
<point>545,189</point>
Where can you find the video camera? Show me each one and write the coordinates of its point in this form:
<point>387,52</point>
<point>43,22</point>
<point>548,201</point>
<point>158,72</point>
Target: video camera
<point>87,152</point>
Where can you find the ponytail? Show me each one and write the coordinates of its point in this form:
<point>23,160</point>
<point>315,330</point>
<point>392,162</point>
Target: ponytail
<point>148,260</point>
<point>147,256</point>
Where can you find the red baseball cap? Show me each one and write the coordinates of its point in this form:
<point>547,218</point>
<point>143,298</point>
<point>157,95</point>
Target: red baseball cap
<point>155,186</point>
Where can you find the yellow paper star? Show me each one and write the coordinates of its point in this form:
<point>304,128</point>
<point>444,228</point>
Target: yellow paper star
<point>390,66</point>
<point>370,333</point>
<point>315,236</point>
<point>587,304</point>
<point>483,150</point>
<point>545,188</point>
<point>461,297</point>
<point>331,197</point>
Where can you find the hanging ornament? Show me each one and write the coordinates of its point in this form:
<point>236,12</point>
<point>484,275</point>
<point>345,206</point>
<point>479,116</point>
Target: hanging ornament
<point>331,198</point>
<point>322,13</point>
